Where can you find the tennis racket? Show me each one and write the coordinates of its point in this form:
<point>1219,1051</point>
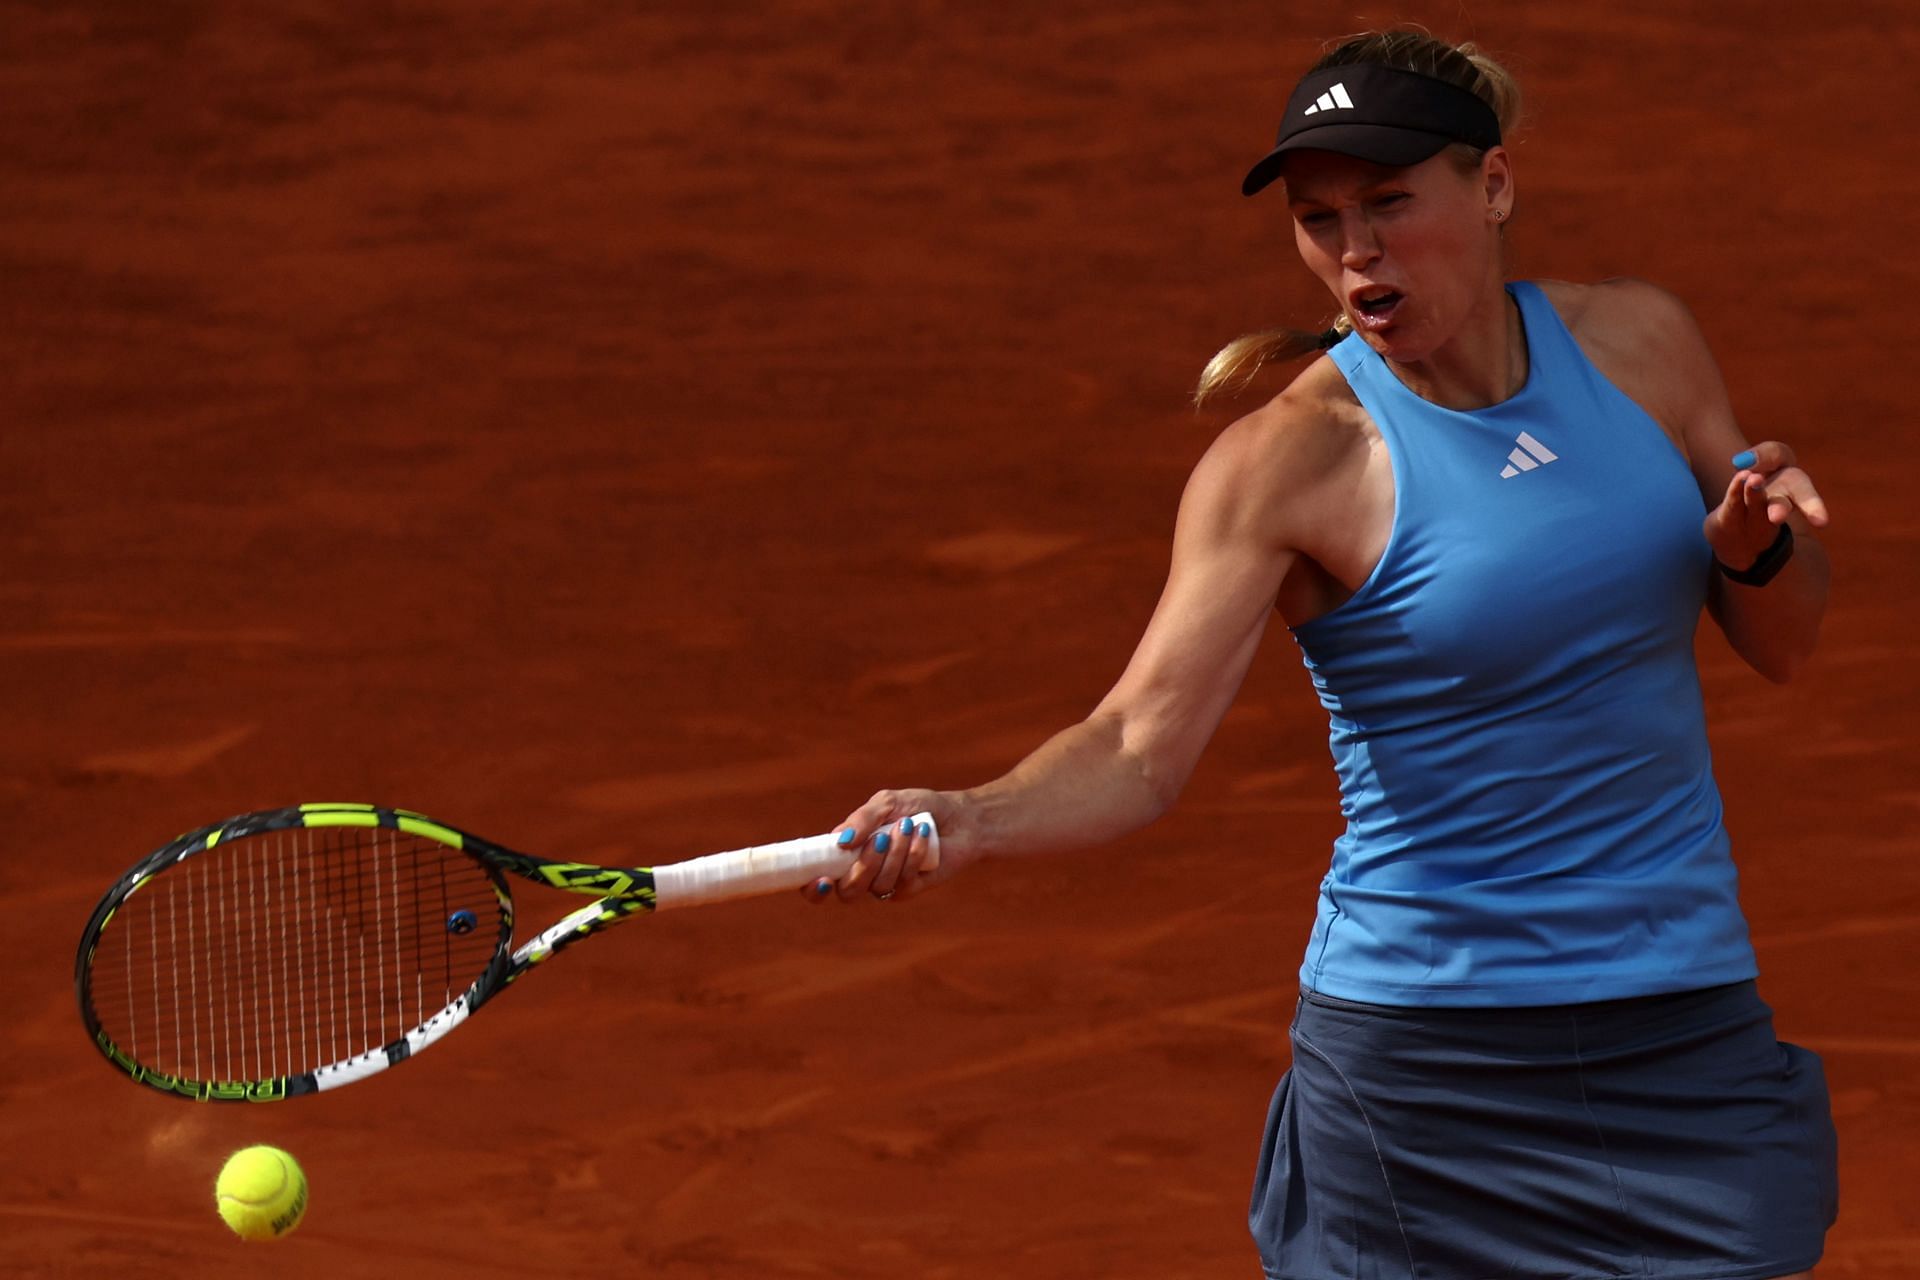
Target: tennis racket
<point>295,950</point>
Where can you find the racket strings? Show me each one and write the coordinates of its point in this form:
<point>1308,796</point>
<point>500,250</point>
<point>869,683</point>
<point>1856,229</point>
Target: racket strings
<point>279,953</point>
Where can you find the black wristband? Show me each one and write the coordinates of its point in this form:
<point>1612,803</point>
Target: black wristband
<point>1761,571</point>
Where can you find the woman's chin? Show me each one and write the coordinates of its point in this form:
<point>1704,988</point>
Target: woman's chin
<point>1396,344</point>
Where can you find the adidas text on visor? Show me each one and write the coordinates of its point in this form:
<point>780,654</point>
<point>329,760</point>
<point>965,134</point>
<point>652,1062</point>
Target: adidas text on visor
<point>1382,114</point>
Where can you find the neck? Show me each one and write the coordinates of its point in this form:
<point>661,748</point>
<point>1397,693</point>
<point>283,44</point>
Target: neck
<point>1484,363</point>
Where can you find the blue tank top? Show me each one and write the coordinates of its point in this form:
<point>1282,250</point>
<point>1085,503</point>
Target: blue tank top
<point>1514,713</point>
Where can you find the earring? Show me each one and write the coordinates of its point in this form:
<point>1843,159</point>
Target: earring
<point>1499,215</point>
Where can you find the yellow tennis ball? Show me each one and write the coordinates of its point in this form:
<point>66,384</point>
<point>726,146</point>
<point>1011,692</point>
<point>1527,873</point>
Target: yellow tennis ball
<point>261,1193</point>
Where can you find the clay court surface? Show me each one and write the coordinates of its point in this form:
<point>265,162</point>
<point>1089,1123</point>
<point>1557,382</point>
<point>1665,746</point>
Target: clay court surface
<point>629,434</point>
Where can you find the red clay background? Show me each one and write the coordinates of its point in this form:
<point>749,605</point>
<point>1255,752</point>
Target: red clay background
<point>632,433</point>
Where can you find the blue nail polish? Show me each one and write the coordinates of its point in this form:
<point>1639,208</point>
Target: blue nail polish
<point>846,838</point>
<point>882,842</point>
<point>823,888</point>
<point>926,829</point>
<point>906,826</point>
<point>1741,461</point>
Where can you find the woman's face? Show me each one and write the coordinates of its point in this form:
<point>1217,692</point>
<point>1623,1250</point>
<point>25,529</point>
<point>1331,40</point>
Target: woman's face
<point>1408,253</point>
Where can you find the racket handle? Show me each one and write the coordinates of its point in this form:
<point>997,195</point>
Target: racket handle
<point>761,869</point>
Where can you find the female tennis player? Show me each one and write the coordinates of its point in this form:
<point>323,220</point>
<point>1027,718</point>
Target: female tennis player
<point>1528,1041</point>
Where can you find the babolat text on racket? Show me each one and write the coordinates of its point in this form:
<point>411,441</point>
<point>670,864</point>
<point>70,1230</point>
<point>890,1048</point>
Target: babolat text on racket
<point>295,950</point>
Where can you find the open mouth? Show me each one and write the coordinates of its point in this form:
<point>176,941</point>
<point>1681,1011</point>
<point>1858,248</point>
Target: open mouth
<point>1373,307</point>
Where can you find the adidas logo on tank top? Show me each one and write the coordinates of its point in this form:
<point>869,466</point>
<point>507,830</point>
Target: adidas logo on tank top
<point>1528,455</point>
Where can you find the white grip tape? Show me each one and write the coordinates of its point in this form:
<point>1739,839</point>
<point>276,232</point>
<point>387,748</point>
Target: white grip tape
<point>761,869</point>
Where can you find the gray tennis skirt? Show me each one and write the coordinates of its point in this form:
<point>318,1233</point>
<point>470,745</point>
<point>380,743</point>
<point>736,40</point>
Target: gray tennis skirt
<point>1670,1136</point>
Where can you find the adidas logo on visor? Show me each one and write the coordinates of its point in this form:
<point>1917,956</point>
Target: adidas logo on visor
<point>1528,455</point>
<point>1334,98</point>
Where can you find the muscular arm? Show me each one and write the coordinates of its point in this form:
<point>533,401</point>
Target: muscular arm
<point>1123,765</point>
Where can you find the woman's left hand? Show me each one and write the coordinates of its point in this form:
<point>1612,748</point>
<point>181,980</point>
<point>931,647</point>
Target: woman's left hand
<point>1762,494</point>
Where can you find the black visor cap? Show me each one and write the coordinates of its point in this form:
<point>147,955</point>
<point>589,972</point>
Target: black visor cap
<point>1381,114</point>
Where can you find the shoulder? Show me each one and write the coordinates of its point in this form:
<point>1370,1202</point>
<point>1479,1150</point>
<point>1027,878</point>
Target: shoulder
<point>1647,342</point>
<point>1626,317</point>
<point>1298,436</point>
<point>1270,468</point>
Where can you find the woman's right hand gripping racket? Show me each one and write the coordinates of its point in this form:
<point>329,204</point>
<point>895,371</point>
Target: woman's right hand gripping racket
<point>295,950</point>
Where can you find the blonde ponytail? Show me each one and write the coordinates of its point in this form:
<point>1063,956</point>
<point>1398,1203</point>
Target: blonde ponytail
<point>1233,367</point>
